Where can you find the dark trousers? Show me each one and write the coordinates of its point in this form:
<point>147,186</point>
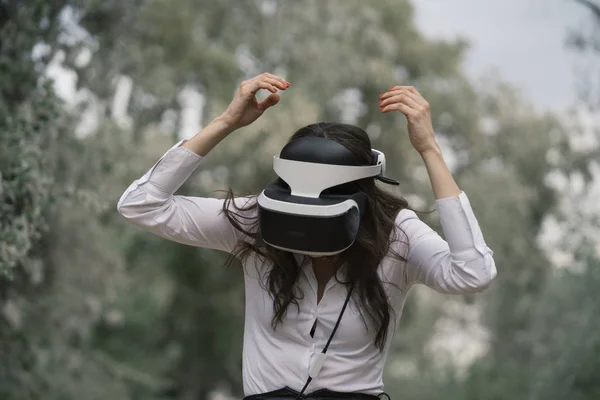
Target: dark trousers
<point>322,394</point>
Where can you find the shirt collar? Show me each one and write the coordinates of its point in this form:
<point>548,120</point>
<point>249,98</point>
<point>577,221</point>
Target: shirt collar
<point>306,267</point>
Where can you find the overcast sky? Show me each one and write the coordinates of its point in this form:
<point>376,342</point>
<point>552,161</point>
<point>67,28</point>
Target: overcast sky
<point>522,39</point>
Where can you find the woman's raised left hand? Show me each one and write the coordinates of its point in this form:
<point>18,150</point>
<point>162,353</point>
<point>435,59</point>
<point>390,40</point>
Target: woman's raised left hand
<point>409,102</point>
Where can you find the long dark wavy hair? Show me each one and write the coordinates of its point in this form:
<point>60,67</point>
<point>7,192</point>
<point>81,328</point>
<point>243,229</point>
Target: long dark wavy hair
<point>372,243</point>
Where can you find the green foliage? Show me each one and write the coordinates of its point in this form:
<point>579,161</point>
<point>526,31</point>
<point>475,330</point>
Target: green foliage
<point>29,121</point>
<point>568,350</point>
<point>56,264</point>
<point>26,184</point>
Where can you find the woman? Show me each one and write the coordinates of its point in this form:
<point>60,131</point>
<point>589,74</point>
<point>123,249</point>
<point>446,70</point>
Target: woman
<point>293,302</point>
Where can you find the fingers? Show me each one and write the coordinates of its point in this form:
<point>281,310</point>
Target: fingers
<point>399,98</point>
<point>254,86</point>
<point>403,108</point>
<point>277,78</point>
<point>266,81</point>
<point>277,83</point>
<point>411,101</point>
<point>409,91</point>
<point>409,88</point>
<point>268,102</point>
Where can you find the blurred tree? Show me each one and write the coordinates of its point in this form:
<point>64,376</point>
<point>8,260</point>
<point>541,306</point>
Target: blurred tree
<point>566,351</point>
<point>56,263</point>
<point>585,39</point>
<point>26,107</point>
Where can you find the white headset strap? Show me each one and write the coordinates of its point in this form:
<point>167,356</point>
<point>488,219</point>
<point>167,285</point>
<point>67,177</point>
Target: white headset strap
<point>310,179</point>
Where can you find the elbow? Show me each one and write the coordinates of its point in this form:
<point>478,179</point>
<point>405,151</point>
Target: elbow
<point>470,277</point>
<point>142,208</point>
<point>483,284</point>
<point>132,211</point>
<point>124,211</point>
<point>129,204</point>
<point>486,273</point>
<point>464,275</point>
<point>123,208</point>
<point>474,286</point>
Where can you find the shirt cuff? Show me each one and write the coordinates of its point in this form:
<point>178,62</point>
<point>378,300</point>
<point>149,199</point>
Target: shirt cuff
<point>172,170</point>
<point>461,229</point>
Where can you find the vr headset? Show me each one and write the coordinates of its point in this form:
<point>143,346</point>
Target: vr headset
<point>314,207</point>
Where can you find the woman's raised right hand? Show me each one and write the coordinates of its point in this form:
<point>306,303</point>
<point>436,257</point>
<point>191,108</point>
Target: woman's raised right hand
<point>244,108</point>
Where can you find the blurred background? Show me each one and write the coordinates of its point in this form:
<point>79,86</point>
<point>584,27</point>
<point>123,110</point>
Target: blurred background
<point>92,92</point>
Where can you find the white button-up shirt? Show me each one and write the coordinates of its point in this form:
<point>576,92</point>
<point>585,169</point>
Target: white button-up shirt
<point>273,359</point>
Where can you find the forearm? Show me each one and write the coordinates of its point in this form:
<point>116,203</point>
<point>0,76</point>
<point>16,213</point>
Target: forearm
<point>205,140</point>
<point>151,204</point>
<point>442,182</point>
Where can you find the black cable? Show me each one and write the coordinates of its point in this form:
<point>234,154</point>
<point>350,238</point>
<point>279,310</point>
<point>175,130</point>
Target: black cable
<point>314,327</point>
<point>337,324</point>
<point>338,320</point>
<point>308,381</point>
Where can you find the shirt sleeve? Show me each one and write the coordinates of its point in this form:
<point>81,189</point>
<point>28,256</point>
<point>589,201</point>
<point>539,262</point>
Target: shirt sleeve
<point>462,263</point>
<point>150,203</point>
